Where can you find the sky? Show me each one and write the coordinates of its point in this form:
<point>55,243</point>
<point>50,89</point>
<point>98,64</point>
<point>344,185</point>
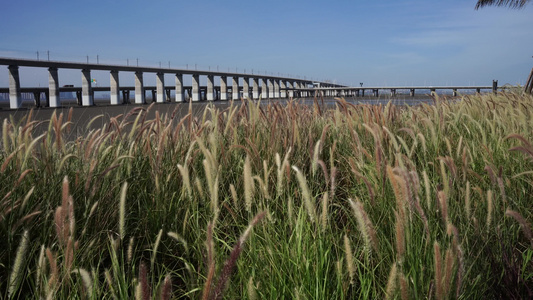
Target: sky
<point>378,43</point>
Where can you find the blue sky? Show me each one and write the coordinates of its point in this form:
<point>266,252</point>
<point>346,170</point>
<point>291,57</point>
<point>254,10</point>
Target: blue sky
<point>419,42</point>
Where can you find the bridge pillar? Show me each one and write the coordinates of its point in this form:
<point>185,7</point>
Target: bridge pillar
<point>454,92</point>
<point>125,96</point>
<point>37,99</point>
<point>15,97</point>
<point>264,88</point>
<point>246,87</point>
<point>87,98</point>
<point>393,92</point>
<point>140,97</point>
<point>270,83</point>
<point>412,92</point>
<point>210,87</point>
<point>179,88</point>
<point>235,88</point>
<point>376,92</point>
<point>255,88</point>
<point>53,88</point>
<point>276,88</point>
<point>167,92</point>
<point>114,87</point>
<point>478,91</point>
<point>195,87</point>
<point>223,88</point>
<point>290,85</point>
<point>160,86</point>
<point>283,85</point>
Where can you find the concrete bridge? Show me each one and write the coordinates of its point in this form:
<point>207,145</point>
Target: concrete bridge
<point>393,90</point>
<point>253,86</point>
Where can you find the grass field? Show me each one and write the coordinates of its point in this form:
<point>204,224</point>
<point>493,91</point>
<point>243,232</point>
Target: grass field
<point>273,202</point>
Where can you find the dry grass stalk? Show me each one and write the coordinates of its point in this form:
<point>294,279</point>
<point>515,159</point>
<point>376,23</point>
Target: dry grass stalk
<point>349,258</point>
<point>396,182</point>
<point>314,161</point>
<point>166,290</point>
<point>306,195</point>
<point>184,172</point>
<point>467,201</point>
<point>16,271</point>
<point>448,271</point>
<point>41,264</point>
<point>404,287</point>
<point>365,225</point>
<point>144,291</point>
<point>489,209</point>
<point>234,196</point>
<point>87,281</point>
<point>156,245</point>
<point>400,237</point>
<point>210,262</point>
<point>392,282</point>
<point>231,262</point>
<point>443,205</point>
<point>129,255</point>
<point>252,293</point>
<point>248,184</point>
<point>324,215</point>
<point>524,225</point>
<point>122,211</point>
<point>54,273</point>
<point>283,166</point>
<point>439,288</point>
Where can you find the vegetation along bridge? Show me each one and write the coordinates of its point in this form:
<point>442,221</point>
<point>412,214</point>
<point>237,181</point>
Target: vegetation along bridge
<point>262,86</point>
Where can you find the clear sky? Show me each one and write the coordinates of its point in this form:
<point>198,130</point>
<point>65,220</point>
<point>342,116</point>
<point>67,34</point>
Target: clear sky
<point>418,42</point>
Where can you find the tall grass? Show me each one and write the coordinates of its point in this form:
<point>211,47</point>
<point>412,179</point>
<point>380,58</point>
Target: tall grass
<point>441,202</point>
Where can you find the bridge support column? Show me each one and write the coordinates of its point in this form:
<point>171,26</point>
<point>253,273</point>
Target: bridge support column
<point>15,97</point>
<point>412,92</point>
<point>87,98</point>
<point>270,83</point>
<point>37,99</point>
<point>167,92</point>
<point>53,88</point>
<point>454,93</point>
<point>114,87</point>
<point>245,87</point>
<point>290,85</point>
<point>210,87</point>
<point>235,88</point>
<point>264,88</point>
<point>393,92</point>
<point>195,87</point>
<point>223,88</point>
<point>255,87</point>
<point>179,88</point>
<point>125,97</point>
<point>276,88</point>
<point>376,92</point>
<point>140,97</point>
<point>283,85</point>
<point>160,86</point>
